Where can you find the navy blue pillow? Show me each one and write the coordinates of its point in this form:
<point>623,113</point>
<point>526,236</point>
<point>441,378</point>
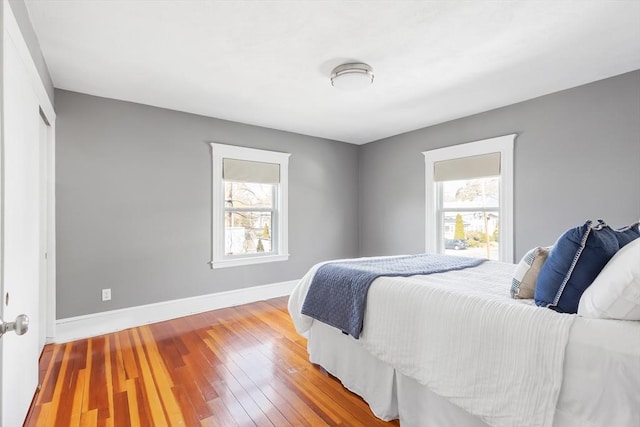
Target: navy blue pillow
<point>573,263</point>
<point>628,234</point>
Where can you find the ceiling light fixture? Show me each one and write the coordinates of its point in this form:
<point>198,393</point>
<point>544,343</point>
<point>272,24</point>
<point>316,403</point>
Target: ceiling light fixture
<point>352,76</point>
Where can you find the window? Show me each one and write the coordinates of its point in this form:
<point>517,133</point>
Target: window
<point>249,199</point>
<point>469,199</point>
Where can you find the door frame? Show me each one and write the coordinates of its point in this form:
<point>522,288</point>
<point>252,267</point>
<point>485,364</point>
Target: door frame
<point>50,314</point>
<point>11,30</point>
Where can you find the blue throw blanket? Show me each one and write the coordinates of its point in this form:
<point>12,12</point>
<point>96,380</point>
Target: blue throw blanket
<point>338,291</point>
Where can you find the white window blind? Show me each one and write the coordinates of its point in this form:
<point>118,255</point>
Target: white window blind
<point>249,171</point>
<point>471,167</point>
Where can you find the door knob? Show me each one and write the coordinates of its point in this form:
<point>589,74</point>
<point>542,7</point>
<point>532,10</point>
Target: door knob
<point>20,326</point>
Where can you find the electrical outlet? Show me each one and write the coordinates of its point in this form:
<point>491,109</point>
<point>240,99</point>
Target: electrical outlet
<point>106,294</point>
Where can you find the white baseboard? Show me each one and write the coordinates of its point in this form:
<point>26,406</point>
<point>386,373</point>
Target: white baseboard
<point>91,325</point>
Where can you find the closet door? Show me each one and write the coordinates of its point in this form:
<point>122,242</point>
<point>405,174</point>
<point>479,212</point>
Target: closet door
<point>20,236</point>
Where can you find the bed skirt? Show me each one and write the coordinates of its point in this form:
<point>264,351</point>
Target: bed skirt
<point>583,402</point>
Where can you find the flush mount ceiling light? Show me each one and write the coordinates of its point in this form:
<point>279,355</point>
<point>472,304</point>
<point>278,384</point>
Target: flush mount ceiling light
<point>352,76</point>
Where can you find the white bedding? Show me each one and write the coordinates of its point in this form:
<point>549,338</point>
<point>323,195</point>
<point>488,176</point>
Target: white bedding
<point>599,387</point>
<point>459,334</point>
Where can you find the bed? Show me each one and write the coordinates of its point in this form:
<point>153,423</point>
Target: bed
<point>453,349</point>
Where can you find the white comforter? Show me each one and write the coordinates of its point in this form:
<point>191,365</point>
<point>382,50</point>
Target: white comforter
<point>461,335</point>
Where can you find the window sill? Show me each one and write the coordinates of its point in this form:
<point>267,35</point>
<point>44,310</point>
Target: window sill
<point>237,262</point>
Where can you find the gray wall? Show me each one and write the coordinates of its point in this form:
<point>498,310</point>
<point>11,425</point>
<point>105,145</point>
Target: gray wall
<point>577,156</point>
<point>133,205</point>
<point>133,189</point>
<point>19,10</point>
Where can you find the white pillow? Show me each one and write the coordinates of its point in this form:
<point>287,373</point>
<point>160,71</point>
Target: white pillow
<point>615,293</point>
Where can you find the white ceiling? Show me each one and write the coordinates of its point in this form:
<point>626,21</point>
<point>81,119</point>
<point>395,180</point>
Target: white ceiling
<point>267,63</point>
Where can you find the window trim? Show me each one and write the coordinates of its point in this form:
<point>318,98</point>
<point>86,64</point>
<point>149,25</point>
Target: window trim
<point>218,153</point>
<point>503,145</point>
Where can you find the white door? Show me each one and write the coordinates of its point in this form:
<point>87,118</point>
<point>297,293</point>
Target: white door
<point>20,235</point>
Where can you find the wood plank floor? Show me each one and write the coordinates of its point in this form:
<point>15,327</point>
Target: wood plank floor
<point>239,366</point>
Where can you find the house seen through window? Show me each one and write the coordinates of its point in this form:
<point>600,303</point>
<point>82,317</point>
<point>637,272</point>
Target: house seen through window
<point>470,217</point>
<point>248,217</point>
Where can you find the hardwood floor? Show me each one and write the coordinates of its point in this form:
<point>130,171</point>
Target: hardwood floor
<point>239,366</point>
